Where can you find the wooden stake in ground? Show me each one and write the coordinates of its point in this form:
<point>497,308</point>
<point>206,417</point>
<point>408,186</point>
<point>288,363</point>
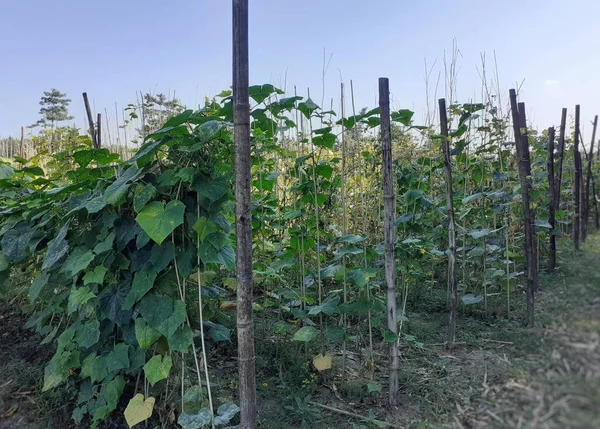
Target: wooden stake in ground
<point>243,216</point>
<point>389,232</point>
<point>99,132</point>
<point>559,158</point>
<point>452,282</point>
<point>577,190</point>
<point>588,180</point>
<point>21,149</point>
<point>551,201</point>
<point>90,118</point>
<point>524,176</point>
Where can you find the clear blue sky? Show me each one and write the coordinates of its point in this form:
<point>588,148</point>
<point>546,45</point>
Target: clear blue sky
<point>113,48</point>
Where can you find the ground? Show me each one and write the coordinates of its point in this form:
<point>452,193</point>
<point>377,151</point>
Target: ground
<point>500,376</point>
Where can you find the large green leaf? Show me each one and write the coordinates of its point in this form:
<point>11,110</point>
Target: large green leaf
<point>168,326</point>
<point>216,249</point>
<point>145,334</point>
<point>16,241</point>
<point>212,188</point>
<point>38,284</point>
<point>181,340</point>
<point>78,260</point>
<point>157,368</point>
<point>79,297</point>
<point>115,193</point>
<point>142,283</point>
<point>118,358</point>
<point>306,334</point>
<point>155,308</point>
<point>142,195</point>
<point>195,420</point>
<point>105,245</point>
<point>57,248</point>
<point>111,303</point>
<point>226,412</point>
<point>159,221</point>
<point>96,276</point>
<point>88,334</point>
<point>94,366</point>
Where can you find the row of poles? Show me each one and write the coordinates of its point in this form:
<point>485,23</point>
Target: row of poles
<point>245,330</point>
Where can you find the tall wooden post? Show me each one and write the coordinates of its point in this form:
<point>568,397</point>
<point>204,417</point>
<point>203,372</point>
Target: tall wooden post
<point>577,190</point>
<point>588,180</point>
<point>559,157</point>
<point>389,233</point>
<point>551,201</point>
<point>21,147</point>
<point>90,118</point>
<point>99,132</point>
<point>524,176</point>
<point>243,216</point>
<point>452,281</point>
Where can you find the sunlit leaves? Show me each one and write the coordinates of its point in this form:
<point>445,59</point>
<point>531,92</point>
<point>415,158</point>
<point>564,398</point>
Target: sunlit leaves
<point>158,221</point>
<point>115,193</point>
<point>306,334</point>
<point>157,368</point>
<point>139,409</point>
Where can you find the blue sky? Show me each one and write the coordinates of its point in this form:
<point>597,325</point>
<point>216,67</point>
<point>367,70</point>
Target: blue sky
<point>113,48</point>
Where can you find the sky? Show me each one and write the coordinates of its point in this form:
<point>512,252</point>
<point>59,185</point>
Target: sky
<point>115,48</point>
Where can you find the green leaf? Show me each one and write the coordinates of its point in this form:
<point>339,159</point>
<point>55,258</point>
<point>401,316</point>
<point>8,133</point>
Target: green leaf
<point>260,93</point>
<point>196,420</point>
<point>56,372</point>
<point>77,261</point>
<point>168,326</point>
<point>111,303</point>
<point>350,238</point>
<point>157,368</point>
<point>78,297</point>
<point>118,358</point>
<point>143,281</point>
<point>96,276</point>
<point>159,221</point>
<point>542,224</point>
<point>361,276</point>
<point>16,241</point>
<point>306,334</point>
<point>413,195</point>
<point>57,248</point>
<point>327,307</point>
<point>204,228</point>
<point>347,250</point>
<point>145,334</point>
<point>212,188</point>
<point>181,340</point>
<point>139,409</point>
<point>142,195</point>
<point>102,156</point>
<point>155,308</point>
<point>36,287</point>
<point>226,412</point>
<point>374,387</point>
<point>216,249</point>
<point>3,262</point>
<point>218,332</point>
<point>95,204</point>
<point>106,245</point>
<point>404,116</point>
<point>88,334</point>
<point>94,366</point>
<point>480,233</point>
<point>115,193</point>
<point>470,299</point>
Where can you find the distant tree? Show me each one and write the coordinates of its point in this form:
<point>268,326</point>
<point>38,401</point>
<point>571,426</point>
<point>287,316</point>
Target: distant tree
<point>54,109</point>
<point>154,112</point>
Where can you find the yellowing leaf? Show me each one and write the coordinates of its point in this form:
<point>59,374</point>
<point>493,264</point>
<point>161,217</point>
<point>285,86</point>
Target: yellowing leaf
<point>322,362</point>
<point>228,305</point>
<point>139,409</point>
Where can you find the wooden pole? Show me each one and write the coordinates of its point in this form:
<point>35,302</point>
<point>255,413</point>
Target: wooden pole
<point>99,132</point>
<point>551,201</point>
<point>243,216</point>
<point>588,180</point>
<point>389,233</point>
<point>21,147</point>
<point>559,158</point>
<point>525,199</point>
<point>577,190</point>
<point>88,111</point>
<point>452,282</point>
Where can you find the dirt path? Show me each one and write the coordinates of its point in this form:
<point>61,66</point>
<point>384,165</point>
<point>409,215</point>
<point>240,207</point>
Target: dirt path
<point>548,377</point>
